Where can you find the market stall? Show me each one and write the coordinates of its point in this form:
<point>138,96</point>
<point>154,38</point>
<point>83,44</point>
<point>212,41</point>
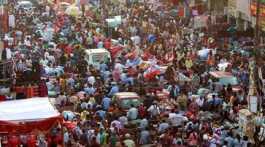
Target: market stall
<point>25,116</point>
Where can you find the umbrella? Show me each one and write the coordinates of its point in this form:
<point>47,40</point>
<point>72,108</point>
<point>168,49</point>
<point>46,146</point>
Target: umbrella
<point>73,11</point>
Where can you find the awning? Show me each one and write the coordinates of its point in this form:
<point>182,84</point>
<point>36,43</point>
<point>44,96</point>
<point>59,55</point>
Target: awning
<point>221,74</point>
<point>23,116</point>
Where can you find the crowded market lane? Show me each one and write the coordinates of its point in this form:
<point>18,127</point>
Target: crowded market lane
<point>126,74</point>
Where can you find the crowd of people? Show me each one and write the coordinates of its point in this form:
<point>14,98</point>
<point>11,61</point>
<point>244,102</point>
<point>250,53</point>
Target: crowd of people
<point>48,49</point>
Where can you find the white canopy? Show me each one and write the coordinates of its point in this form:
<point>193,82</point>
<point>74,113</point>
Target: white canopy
<point>27,110</point>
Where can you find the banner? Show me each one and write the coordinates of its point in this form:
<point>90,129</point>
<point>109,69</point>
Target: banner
<point>3,20</point>
<point>253,11</point>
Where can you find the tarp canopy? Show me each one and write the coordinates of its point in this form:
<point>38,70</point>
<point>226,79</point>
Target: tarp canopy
<point>27,110</point>
<point>221,74</point>
<point>114,22</point>
<point>28,115</point>
<point>73,11</point>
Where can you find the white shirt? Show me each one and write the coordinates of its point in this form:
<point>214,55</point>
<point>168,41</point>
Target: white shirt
<point>8,53</point>
<point>119,66</point>
<point>51,58</point>
<point>27,42</point>
<point>91,80</point>
<point>47,9</point>
<point>117,124</point>
<point>199,101</point>
<point>136,40</point>
<point>11,21</point>
<point>176,119</point>
<point>123,120</point>
<point>154,110</point>
<point>46,54</point>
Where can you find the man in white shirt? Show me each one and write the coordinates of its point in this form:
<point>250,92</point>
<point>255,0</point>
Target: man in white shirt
<point>175,119</point>
<point>91,80</point>
<point>47,9</point>
<point>154,110</point>
<point>27,41</point>
<point>200,101</point>
<point>8,53</point>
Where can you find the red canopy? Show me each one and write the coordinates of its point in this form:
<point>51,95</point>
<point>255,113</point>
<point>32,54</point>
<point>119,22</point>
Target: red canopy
<point>28,127</point>
<point>29,115</point>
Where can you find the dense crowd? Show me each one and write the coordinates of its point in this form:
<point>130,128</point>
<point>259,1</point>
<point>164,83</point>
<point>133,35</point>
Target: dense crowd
<point>48,49</point>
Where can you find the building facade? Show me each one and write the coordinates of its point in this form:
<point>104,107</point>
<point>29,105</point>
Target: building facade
<point>244,13</point>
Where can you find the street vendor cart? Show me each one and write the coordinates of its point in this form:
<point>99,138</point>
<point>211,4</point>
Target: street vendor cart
<point>246,123</point>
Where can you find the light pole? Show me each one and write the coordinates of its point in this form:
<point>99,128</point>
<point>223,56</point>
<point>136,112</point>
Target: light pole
<point>2,13</point>
<point>257,38</point>
<point>1,21</point>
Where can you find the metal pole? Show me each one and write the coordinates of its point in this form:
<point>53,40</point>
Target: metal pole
<point>256,49</point>
<point>1,21</point>
<point>257,39</point>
